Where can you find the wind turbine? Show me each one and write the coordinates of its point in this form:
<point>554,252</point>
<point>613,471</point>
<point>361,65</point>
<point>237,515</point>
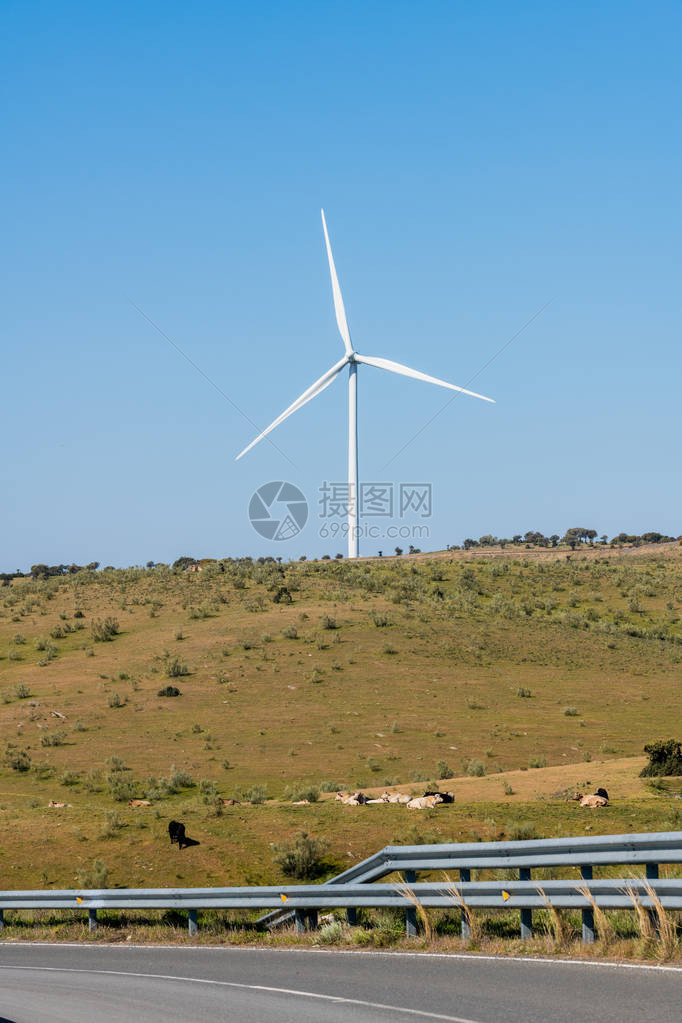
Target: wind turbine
<point>352,359</point>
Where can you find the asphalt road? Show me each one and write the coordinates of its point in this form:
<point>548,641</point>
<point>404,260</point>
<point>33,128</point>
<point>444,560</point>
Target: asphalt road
<point>72,984</point>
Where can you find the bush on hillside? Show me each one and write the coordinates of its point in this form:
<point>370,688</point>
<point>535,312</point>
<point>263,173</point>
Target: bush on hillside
<point>175,668</point>
<point>104,631</point>
<point>303,858</point>
<point>169,691</point>
<point>665,758</point>
<point>17,759</point>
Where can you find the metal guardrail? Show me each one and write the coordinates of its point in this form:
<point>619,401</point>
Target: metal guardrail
<point>609,893</point>
<point>600,850</point>
<point>584,853</point>
<point>351,893</point>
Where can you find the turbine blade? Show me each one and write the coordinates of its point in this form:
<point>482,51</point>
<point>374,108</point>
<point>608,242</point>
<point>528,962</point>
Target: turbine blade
<point>307,396</point>
<point>396,367</point>
<point>336,291</point>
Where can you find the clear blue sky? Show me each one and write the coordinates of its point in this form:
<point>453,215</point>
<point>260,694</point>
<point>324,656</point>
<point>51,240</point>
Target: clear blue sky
<point>475,162</point>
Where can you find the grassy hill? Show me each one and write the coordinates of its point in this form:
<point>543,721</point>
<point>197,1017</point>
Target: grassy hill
<point>507,670</point>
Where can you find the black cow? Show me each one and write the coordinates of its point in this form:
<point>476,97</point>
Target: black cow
<point>602,792</point>
<point>176,833</point>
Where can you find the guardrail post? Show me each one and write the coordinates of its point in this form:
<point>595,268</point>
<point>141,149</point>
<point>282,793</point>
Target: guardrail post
<point>465,875</point>
<point>526,914</point>
<point>312,919</point>
<point>92,919</point>
<point>2,919</point>
<point>299,920</point>
<point>192,924</point>
<point>652,875</point>
<point>411,911</point>
<point>352,916</point>
<point>588,914</point>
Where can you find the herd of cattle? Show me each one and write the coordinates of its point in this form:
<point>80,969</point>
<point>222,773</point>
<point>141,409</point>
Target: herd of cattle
<point>430,799</point>
<point>425,802</point>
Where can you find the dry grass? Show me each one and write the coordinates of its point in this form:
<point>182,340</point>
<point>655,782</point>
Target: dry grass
<point>472,922</point>
<point>646,931</point>
<point>411,897</point>
<point>606,934</point>
<point>666,931</point>
<point>559,930</point>
<point>368,717</point>
<point>231,929</point>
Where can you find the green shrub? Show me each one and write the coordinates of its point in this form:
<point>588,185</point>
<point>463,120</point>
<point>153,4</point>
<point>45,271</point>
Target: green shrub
<point>115,700</point>
<point>178,779</point>
<point>537,762</point>
<point>120,788</point>
<point>49,649</point>
<point>522,832</point>
<point>96,877</point>
<point>104,631</point>
<point>571,712</point>
<point>303,858</point>
<point>57,738</point>
<point>112,824</point>
<point>256,795</point>
<point>444,770</point>
<point>297,793</point>
<point>475,769</point>
<point>175,668</point>
<point>525,694</point>
<point>93,781</point>
<point>291,632</point>
<point>665,758</point>
<point>169,691</point>
<point>328,623</point>
<point>331,933</point>
<point>22,691</point>
<point>209,791</point>
<point>17,759</point>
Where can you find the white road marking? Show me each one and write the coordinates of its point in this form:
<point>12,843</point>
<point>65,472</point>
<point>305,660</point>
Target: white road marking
<point>251,987</point>
<point>602,963</point>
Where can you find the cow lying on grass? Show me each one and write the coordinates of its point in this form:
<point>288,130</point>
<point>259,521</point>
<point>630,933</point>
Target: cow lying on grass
<point>351,799</point>
<point>596,799</point>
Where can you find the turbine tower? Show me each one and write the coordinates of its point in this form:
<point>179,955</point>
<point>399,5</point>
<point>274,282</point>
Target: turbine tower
<point>351,359</point>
